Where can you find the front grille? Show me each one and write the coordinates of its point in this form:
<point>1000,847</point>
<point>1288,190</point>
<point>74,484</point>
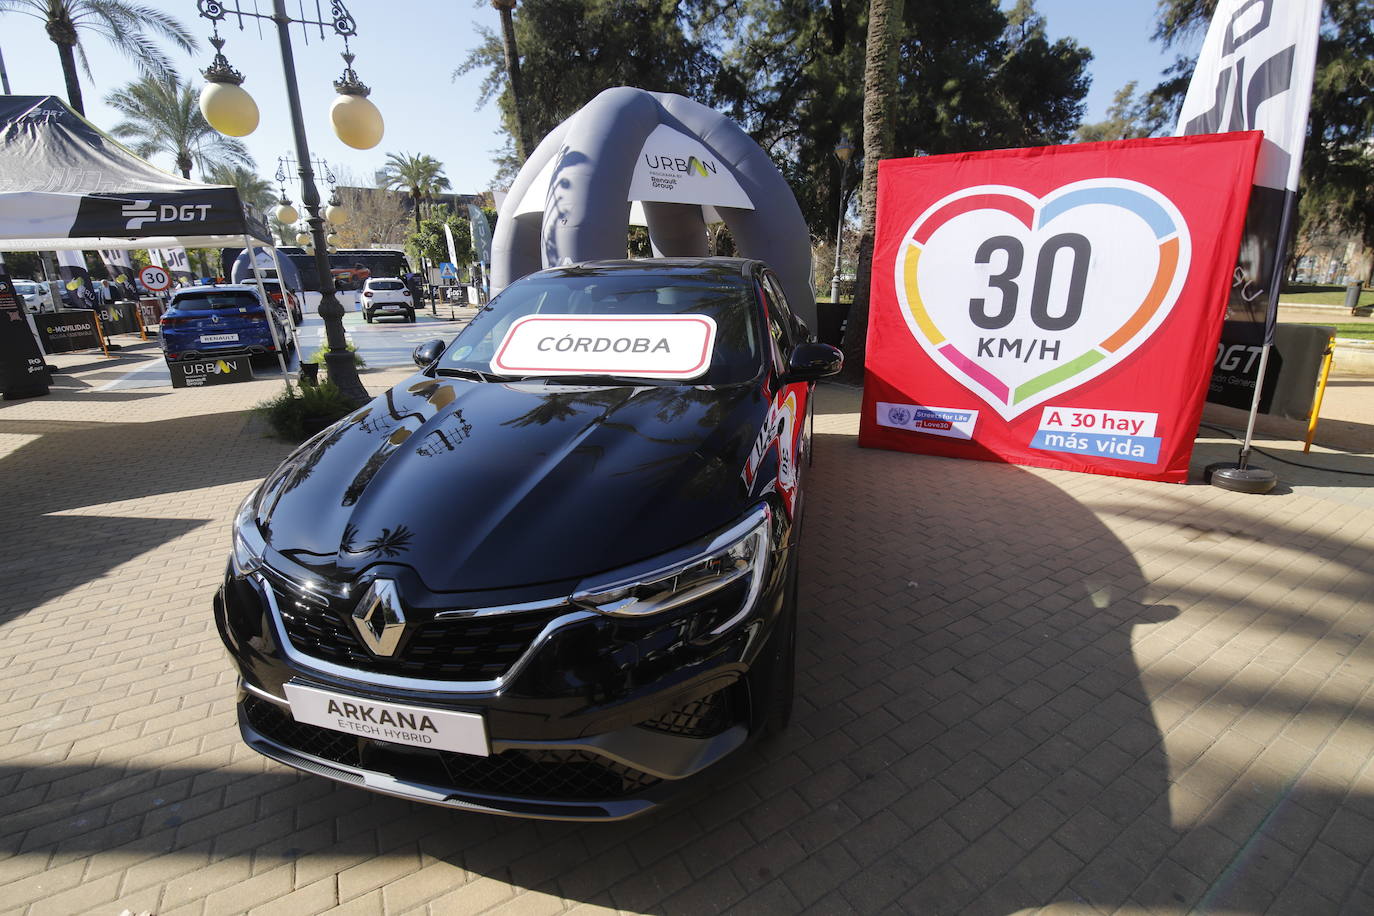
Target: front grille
<point>702,718</point>
<point>274,722</point>
<point>535,774</point>
<point>551,774</point>
<point>462,649</point>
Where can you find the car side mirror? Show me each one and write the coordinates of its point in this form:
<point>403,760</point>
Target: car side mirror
<point>426,353</point>
<point>812,361</point>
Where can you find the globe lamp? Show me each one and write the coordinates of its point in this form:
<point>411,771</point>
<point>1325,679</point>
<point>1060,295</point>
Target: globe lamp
<point>356,120</point>
<point>223,101</point>
<point>285,213</point>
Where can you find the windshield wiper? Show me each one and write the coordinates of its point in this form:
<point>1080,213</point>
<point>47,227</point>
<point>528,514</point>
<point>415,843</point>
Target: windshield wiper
<point>463,372</point>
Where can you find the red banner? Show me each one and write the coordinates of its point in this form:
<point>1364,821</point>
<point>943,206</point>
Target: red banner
<point>1057,306</point>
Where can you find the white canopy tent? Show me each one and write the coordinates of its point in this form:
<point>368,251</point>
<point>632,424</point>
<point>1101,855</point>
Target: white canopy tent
<point>67,185</point>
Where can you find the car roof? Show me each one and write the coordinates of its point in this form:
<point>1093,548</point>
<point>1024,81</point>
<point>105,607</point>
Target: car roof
<point>740,267</point>
<point>375,279</point>
<point>220,287</point>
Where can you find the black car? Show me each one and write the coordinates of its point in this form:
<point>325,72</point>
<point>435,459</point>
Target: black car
<point>554,573</point>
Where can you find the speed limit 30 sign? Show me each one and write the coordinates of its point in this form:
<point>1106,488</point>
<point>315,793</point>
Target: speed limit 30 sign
<point>1056,307</point>
<point>155,279</point>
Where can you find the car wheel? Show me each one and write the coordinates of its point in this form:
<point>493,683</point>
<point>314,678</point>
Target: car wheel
<point>367,316</point>
<point>411,316</point>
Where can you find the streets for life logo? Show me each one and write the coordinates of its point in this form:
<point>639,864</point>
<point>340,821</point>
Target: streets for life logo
<point>1022,298</point>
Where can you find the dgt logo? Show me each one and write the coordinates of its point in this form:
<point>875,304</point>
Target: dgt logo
<point>142,211</point>
<point>1237,99</point>
<point>1231,357</point>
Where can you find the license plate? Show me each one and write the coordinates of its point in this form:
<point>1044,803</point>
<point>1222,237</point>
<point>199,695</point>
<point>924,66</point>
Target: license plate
<point>418,726</point>
<point>219,338</point>
<point>392,308</point>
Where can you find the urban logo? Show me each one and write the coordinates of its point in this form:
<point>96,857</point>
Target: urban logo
<point>217,367</point>
<point>142,211</point>
<point>689,166</point>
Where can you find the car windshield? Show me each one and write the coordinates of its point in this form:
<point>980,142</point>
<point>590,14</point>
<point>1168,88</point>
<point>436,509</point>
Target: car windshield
<point>385,284</point>
<point>26,288</point>
<point>216,299</point>
<point>720,294</point>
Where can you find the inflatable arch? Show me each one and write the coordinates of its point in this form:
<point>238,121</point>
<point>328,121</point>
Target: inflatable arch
<point>658,160</point>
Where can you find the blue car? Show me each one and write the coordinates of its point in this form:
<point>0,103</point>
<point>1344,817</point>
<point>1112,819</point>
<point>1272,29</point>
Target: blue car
<point>228,320</point>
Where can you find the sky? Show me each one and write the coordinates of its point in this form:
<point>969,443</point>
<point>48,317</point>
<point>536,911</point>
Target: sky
<point>407,51</point>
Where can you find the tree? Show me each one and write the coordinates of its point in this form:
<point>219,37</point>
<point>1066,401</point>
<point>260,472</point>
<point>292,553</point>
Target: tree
<point>420,176</point>
<point>1127,118</point>
<point>253,190</point>
<point>573,49</point>
<point>164,117</point>
<point>375,217</point>
<point>128,27</point>
<point>968,77</point>
<point>522,134</point>
<point>880,86</point>
<point>429,242</point>
<point>1337,189</point>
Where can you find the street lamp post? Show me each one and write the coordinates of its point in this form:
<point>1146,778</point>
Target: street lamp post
<point>356,121</point>
<point>843,150</point>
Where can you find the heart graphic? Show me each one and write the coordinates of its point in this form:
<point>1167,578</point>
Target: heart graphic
<point>1022,298</point>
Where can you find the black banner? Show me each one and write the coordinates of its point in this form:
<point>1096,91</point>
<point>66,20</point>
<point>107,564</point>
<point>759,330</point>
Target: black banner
<point>118,318</point>
<point>208,211</point>
<point>1290,378</point>
<point>67,331</point>
<point>197,373</point>
<point>23,371</point>
<point>1257,267</point>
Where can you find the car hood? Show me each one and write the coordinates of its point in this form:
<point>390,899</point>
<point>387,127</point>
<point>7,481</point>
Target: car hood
<point>493,485</point>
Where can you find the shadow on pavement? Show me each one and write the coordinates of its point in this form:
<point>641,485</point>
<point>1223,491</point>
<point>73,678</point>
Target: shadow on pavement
<point>972,735</point>
<point>71,466</point>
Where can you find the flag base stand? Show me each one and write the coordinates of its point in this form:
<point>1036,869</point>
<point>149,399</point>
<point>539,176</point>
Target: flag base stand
<point>1239,478</point>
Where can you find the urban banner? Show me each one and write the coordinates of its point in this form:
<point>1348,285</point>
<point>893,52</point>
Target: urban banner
<point>1058,306</point>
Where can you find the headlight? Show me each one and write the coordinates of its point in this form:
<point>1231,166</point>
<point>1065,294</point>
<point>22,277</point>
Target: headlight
<point>738,555</point>
<point>248,540</point>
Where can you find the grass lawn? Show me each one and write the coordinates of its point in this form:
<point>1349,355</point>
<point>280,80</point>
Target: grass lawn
<point>1321,295</point>
<point>1356,331</point>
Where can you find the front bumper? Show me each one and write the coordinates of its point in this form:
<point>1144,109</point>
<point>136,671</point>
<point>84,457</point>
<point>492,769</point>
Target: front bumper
<point>593,719</point>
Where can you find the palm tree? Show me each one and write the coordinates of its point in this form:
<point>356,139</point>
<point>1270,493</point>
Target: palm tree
<point>420,176</point>
<point>164,117</point>
<point>522,134</point>
<point>253,190</point>
<point>126,26</point>
<point>880,87</point>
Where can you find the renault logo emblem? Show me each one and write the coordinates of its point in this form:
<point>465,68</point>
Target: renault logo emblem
<point>378,617</point>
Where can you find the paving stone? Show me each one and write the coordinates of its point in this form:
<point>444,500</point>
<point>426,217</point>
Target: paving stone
<point>984,742</point>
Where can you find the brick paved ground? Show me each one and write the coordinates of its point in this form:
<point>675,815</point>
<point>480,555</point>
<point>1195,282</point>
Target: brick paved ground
<point>1018,689</point>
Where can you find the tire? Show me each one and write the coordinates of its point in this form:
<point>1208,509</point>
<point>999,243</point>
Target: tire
<point>411,316</point>
<point>782,681</point>
<point>367,316</point>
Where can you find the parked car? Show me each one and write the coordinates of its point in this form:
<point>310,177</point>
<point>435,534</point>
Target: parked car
<point>283,299</point>
<point>387,297</point>
<point>35,296</point>
<point>350,278</point>
<point>555,591</point>
<point>225,320</point>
